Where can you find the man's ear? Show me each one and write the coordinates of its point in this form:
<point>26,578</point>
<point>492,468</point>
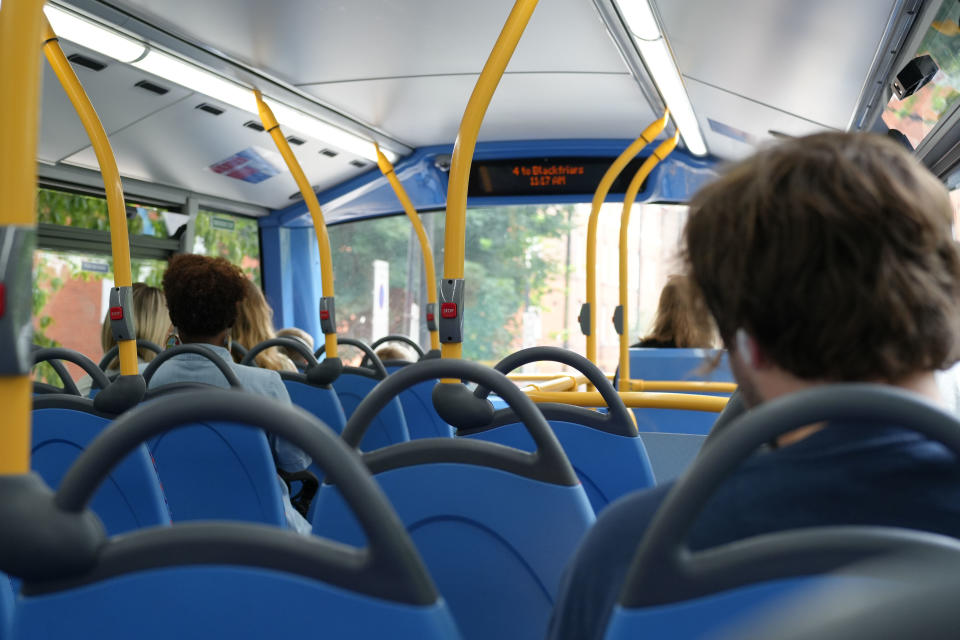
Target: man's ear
<point>749,350</point>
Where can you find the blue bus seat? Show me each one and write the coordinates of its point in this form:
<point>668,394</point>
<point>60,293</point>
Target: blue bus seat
<point>677,364</point>
<point>606,453</point>
<point>608,465</point>
<point>423,421</point>
<point>671,591</point>
<point>230,579</point>
<point>216,471</point>
<point>321,401</point>
<point>130,498</point>
<point>224,602</point>
<point>390,427</point>
<point>485,518</point>
<point>671,453</point>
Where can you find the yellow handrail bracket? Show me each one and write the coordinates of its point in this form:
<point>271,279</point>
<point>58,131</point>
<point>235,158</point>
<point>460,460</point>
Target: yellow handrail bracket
<point>451,287</point>
<point>121,302</point>
<point>636,400</point>
<point>328,323</point>
<point>386,168</point>
<point>20,77</point>
<point>622,317</point>
<point>588,313</point>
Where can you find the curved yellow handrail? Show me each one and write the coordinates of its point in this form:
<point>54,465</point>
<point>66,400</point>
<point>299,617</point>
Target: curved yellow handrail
<point>386,168</point>
<point>649,135</point>
<point>310,198</point>
<point>116,207</point>
<point>19,109</point>
<point>564,382</point>
<point>635,400</point>
<point>682,386</point>
<point>454,236</point>
<point>662,151</point>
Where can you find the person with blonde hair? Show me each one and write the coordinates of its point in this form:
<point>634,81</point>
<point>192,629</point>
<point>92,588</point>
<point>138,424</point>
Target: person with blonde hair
<point>254,325</point>
<point>682,321</point>
<point>152,322</point>
<point>297,334</point>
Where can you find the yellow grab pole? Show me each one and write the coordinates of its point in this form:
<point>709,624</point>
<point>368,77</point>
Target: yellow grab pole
<point>635,400</point>
<point>328,323</point>
<point>451,298</point>
<point>119,239</point>
<point>19,109</point>
<point>622,316</point>
<point>386,168</point>
<point>590,307</point>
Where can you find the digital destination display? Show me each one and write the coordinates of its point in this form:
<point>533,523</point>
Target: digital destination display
<point>545,176</point>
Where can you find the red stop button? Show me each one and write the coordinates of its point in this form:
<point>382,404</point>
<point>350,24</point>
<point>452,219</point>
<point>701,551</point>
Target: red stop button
<point>324,314</point>
<point>448,310</point>
<point>116,313</point>
<point>430,317</point>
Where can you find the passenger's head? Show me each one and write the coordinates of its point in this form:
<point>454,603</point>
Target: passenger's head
<point>297,334</point>
<point>828,258</point>
<point>255,324</point>
<point>202,296</point>
<point>150,317</point>
<point>396,351</point>
<point>682,317</point>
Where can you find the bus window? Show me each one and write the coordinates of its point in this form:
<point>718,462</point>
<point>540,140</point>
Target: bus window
<point>524,270</point>
<point>917,115</point>
<point>235,238</point>
<point>73,268</point>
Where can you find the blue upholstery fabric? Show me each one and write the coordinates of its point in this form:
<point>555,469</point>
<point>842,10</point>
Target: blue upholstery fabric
<point>216,471</point>
<point>224,602</point>
<point>495,543</point>
<point>608,465</point>
<point>131,497</point>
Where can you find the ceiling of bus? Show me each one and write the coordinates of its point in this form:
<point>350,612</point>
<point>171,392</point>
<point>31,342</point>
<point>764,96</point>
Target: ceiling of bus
<point>406,69</point>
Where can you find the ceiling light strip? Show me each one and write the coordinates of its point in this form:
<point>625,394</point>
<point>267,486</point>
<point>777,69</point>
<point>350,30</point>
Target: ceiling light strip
<point>110,43</point>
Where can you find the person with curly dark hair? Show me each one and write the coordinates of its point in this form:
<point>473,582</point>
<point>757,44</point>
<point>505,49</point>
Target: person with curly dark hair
<point>203,295</point>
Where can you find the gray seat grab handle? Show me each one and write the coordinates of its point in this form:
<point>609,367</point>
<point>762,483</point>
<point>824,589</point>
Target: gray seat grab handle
<point>549,456</point>
<point>198,349</point>
<point>250,356</point>
<point>618,410</point>
<point>664,570</point>
<point>398,338</point>
<point>89,367</point>
<point>115,349</point>
<point>378,367</point>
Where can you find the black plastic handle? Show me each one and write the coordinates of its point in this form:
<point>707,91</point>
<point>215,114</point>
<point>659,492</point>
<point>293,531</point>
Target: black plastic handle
<point>398,338</point>
<point>618,415</point>
<point>58,353</point>
<point>250,358</point>
<point>549,463</point>
<point>664,570</point>
<point>59,369</point>
<point>198,349</point>
<point>390,566</point>
<point>115,349</point>
<point>378,368</point>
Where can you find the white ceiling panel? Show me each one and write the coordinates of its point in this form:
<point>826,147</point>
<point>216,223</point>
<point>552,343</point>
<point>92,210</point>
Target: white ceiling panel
<point>734,127</point>
<point>118,103</point>
<point>306,41</point>
<point>178,145</point>
<point>809,58</point>
<point>535,106</point>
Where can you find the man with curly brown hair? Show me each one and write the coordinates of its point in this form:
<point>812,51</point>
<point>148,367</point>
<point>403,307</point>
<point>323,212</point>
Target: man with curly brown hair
<point>202,295</point>
<point>823,259</point>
